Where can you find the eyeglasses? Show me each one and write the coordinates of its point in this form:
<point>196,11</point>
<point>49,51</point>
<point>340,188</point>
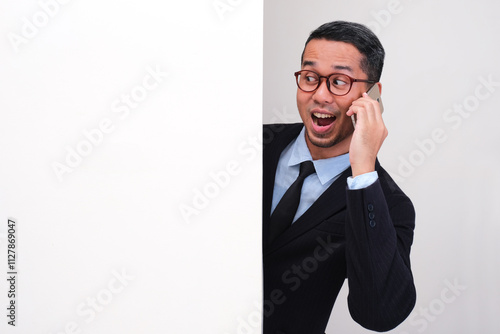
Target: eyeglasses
<point>338,84</point>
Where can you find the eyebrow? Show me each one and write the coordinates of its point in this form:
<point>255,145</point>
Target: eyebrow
<point>340,67</point>
<point>336,67</point>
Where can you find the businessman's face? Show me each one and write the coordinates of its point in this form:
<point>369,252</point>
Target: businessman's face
<point>328,129</point>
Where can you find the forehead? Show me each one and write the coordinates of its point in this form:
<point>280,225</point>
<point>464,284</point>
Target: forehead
<point>325,55</point>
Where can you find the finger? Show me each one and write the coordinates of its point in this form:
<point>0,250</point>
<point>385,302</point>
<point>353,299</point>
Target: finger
<point>360,115</point>
<point>364,110</point>
<point>376,105</point>
<point>354,109</point>
<point>371,107</point>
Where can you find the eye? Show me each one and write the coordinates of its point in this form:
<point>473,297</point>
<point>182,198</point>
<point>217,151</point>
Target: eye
<point>311,78</point>
<point>339,81</point>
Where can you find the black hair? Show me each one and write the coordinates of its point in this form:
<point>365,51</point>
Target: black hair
<point>358,35</point>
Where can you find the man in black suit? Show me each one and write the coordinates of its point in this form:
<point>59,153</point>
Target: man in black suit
<point>352,220</point>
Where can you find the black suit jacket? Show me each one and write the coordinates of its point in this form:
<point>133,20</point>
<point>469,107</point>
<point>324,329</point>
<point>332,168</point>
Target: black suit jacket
<point>363,235</point>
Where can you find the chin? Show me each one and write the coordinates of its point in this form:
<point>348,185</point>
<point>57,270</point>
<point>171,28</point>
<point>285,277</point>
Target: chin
<point>329,140</point>
<point>323,141</point>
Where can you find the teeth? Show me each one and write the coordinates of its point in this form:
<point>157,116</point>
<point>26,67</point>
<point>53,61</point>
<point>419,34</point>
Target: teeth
<point>318,115</point>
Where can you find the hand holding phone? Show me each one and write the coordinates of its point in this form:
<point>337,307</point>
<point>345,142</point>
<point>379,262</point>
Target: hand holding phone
<point>369,135</point>
<point>374,93</point>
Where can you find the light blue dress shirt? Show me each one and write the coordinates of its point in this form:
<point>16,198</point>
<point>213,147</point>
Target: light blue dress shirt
<point>327,171</point>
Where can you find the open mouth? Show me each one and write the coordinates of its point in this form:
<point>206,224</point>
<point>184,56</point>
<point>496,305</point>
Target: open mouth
<point>321,119</point>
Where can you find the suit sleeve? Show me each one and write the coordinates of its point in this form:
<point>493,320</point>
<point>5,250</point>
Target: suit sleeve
<point>379,234</point>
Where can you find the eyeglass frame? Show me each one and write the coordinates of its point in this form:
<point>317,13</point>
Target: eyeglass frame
<point>328,81</point>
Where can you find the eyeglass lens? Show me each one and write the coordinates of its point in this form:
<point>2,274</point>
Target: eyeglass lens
<point>309,81</point>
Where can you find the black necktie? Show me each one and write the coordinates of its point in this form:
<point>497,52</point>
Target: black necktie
<point>282,216</point>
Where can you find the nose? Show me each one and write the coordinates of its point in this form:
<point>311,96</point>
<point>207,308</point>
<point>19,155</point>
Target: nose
<point>322,95</point>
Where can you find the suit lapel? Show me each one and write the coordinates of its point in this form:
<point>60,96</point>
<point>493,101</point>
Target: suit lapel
<point>329,203</point>
<point>276,139</point>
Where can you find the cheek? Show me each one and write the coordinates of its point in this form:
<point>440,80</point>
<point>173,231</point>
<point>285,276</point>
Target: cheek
<point>343,104</point>
<point>301,101</point>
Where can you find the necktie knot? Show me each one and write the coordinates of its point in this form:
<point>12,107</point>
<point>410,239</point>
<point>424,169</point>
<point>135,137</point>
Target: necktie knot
<point>306,169</point>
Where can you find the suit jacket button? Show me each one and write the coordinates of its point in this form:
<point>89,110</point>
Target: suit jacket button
<point>370,207</point>
<point>372,223</point>
<point>371,215</point>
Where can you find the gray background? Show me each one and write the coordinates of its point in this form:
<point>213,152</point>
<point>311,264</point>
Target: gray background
<point>436,53</point>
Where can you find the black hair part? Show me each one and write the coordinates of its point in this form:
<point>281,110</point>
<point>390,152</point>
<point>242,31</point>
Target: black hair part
<point>358,35</point>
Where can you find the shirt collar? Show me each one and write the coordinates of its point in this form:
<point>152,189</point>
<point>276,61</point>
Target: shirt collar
<point>326,169</point>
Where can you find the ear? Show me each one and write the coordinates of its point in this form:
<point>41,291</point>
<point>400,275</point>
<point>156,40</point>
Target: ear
<point>379,87</point>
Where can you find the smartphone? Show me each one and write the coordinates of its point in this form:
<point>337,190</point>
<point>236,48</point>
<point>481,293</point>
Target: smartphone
<point>374,93</point>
